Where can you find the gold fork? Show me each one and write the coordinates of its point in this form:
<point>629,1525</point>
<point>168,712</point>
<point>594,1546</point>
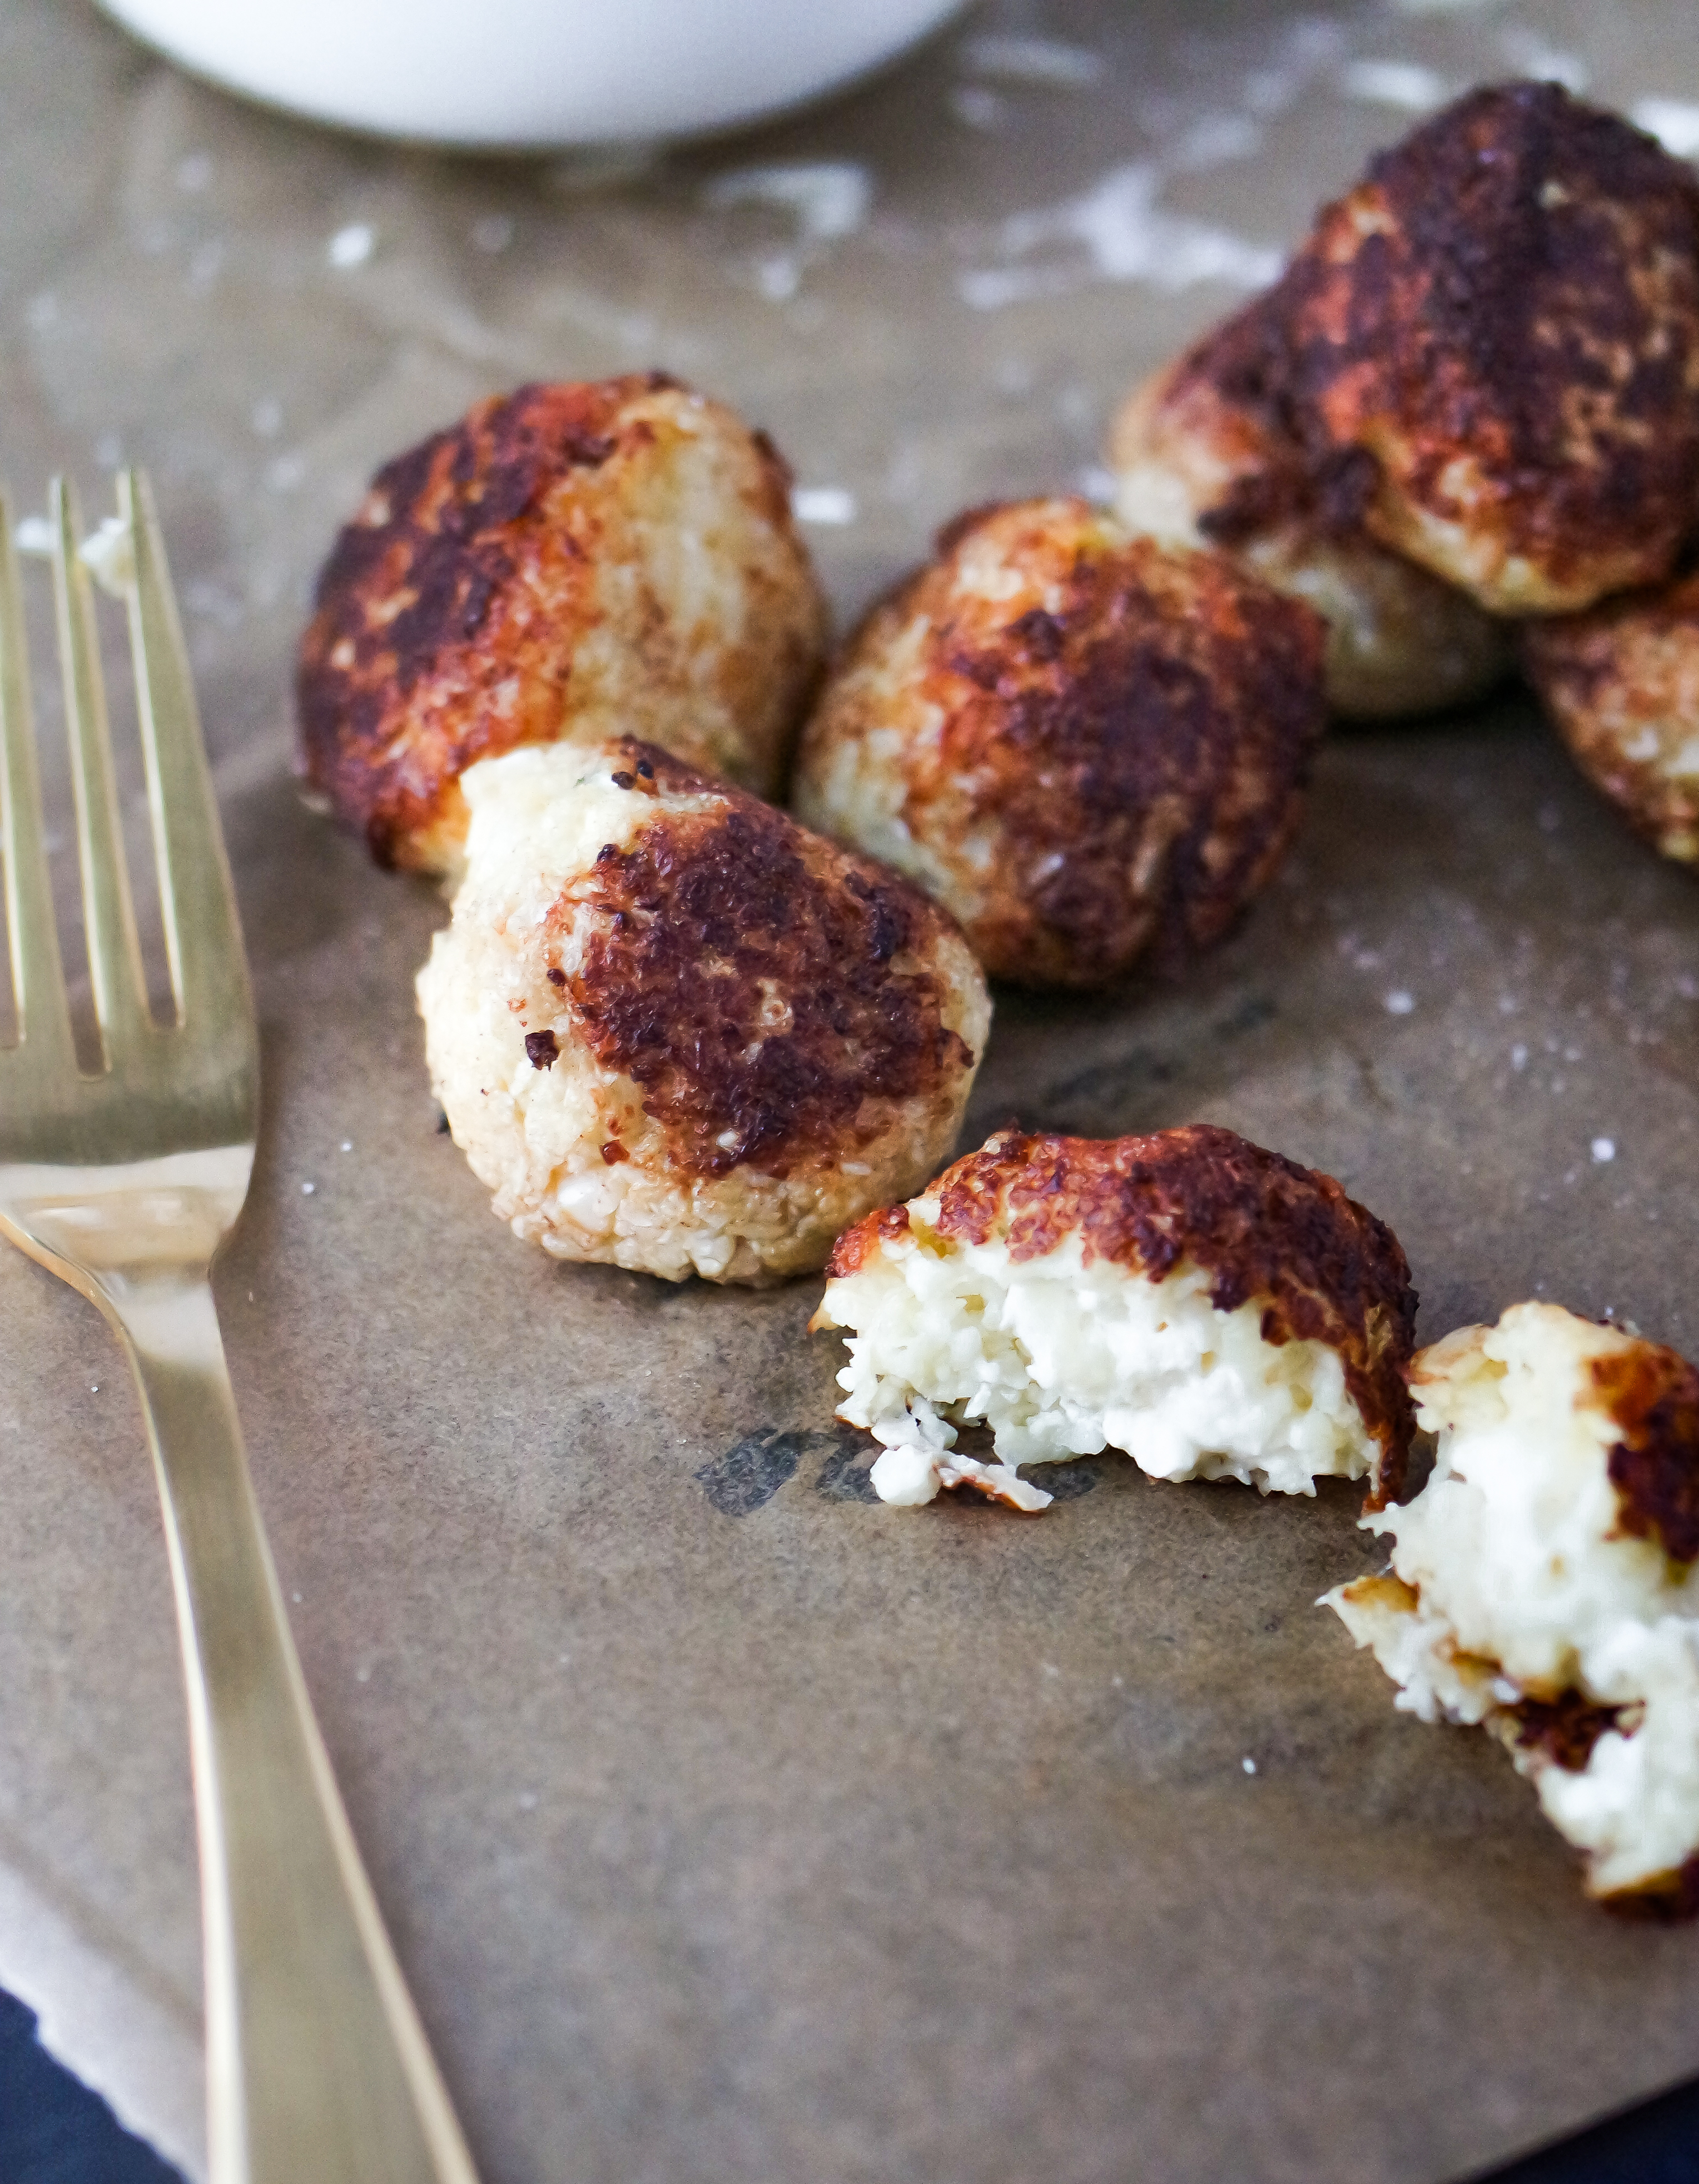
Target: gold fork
<point>125,1183</point>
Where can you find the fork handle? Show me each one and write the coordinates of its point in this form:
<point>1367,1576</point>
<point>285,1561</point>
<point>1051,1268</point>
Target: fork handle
<point>317,2065</point>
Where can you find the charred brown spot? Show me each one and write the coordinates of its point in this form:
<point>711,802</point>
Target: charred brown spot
<point>541,1049</point>
<point>557,977</point>
<point>623,780</point>
<point>1652,1397</point>
<point>710,917</point>
<point>614,1153</point>
<point>1564,1729</point>
<point>1260,1226</point>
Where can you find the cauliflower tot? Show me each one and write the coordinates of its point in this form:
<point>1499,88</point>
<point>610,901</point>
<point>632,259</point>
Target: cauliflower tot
<point>1543,1583</point>
<point>1086,745</point>
<point>1202,457</point>
<point>567,562</point>
<point>1621,683</point>
<point>672,1031</point>
<point>1210,1308</point>
<point>1493,343</point>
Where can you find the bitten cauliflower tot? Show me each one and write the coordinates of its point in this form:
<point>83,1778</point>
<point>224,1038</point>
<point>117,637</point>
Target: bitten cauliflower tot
<point>1621,683</point>
<point>1085,745</point>
<point>1203,456</point>
<point>1494,348</point>
<point>567,562</point>
<point>1543,1583</point>
<point>1212,1309</point>
<point>671,1030</point>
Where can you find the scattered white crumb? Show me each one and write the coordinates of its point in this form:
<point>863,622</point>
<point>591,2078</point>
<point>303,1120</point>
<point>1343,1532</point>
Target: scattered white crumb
<point>1406,85</point>
<point>1399,1003</point>
<point>1604,1149</point>
<point>363,1674</point>
<point>1530,55</point>
<point>1249,1764</point>
<point>829,197</point>
<point>1215,141</point>
<point>823,503</point>
<point>1673,121</point>
<point>308,1189</point>
<point>528,1801</point>
<point>1116,230</point>
<point>285,472</point>
<point>296,1598</point>
<point>34,535</point>
<point>1518,1057</point>
<point>109,556</point>
<point>351,246</point>
<point>976,107</point>
<point>1013,59</point>
<point>348,1145</point>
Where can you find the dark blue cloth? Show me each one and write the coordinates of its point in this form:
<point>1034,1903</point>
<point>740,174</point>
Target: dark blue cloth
<point>53,2131</point>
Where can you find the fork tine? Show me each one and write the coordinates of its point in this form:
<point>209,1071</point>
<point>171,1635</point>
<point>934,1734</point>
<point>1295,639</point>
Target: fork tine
<point>38,988</point>
<point>115,957</point>
<point>196,899</point>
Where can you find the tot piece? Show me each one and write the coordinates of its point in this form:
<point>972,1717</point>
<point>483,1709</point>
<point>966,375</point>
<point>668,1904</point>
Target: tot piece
<point>1622,684</point>
<point>567,562</point>
<point>1203,457</point>
<point>1214,1310</point>
<point>1083,744</point>
<point>1543,1582</point>
<point>672,1031</point>
<point>1495,337</point>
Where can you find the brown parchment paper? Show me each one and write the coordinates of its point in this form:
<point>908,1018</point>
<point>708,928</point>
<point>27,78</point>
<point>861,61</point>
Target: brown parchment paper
<point>729,1825</point>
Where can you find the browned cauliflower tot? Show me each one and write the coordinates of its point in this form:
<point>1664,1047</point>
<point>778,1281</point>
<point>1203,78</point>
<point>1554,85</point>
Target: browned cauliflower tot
<point>1212,1309</point>
<point>1543,1583</point>
<point>566,562</point>
<point>1203,456</point>
<point>1083,744</point>
<point>1493,350</point>
<point>671,1030</point>
<point>1621,682</point>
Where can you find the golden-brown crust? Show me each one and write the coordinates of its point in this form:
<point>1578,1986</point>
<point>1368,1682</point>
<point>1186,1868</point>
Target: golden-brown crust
<point>773,996</point>
<point>1499,327</point>
<point>1669,1899</point>
<point>1261,1226</point>
<point>1621,683</point>
<point>454,610</point>
<point>1122,732</point>
<point>1651,1395</point>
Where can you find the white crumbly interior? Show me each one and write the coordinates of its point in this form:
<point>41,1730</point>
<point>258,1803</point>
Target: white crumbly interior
<point>535,1136</point>
<point>1512,1580</point>
<point>1060,1358</point>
